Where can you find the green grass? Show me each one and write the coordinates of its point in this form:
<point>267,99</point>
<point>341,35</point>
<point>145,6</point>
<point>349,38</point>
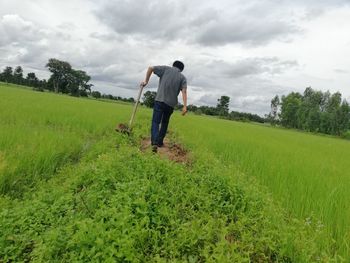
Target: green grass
<point>41,132</point>
<point>74,190</point>
<point>308,174</point>
<point>126,206</point>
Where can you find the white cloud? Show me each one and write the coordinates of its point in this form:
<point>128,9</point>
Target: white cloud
<point>248,50</point>
<point>176,20</point>
<point>15,30</point>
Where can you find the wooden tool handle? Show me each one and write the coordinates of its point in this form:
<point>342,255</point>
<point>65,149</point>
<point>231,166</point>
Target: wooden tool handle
<point>135,107</point>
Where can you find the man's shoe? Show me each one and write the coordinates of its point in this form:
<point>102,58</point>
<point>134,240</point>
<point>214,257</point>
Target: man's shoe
<point>154,148</point>
<point>160,144</point>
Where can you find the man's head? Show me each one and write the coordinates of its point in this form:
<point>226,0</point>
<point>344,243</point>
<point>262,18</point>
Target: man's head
<point>179,65</point>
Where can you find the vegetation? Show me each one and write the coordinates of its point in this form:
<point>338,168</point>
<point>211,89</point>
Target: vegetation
<point>149,98</point>
<point>221,110</point>
<point>46,126</point>
<point>9,75</point>
<point>313,111</point>
<point>308,174</point>
<point>223,106</point>
<point>106,201</point>
<point>64,79</point>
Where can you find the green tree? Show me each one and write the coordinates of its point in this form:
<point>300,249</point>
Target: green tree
<point>309,113</point>
<point>316,111</point>
<point>344,116</point>
<point>289,109</point>
<point>192,108</point>
<point>68,80</point>
<point>43,84</point>
<point>73,81</point>
<point>80,79</point>
<point>7,74</point>
<point>223,106</point>
<point>149,98</point>
<point>32,80</point>
<point>207,110</point>
<point>273,116</point>
<point>61,71</point>
<point>243,116</point>
<point>96,94</point>
<point>18,75</point>
<point>334,113</point>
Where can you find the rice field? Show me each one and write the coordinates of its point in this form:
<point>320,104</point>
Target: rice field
<point>308,174</point>
<point>41,132</point>
<point>294,186</point>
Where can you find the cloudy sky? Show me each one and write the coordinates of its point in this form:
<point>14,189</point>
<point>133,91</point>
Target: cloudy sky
<point>249,50</point>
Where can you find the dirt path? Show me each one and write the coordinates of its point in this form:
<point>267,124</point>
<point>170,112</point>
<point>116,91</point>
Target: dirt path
<point>170,150</point>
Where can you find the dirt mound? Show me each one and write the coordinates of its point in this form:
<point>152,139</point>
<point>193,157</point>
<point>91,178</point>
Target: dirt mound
<point>170,150</point>
<point>123,128</point>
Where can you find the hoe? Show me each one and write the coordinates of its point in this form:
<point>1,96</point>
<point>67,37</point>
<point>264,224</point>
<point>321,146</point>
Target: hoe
<point>125,128</point>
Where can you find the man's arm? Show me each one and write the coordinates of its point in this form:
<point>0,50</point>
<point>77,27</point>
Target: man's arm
<point>148,75</point>
<point>184,98</point>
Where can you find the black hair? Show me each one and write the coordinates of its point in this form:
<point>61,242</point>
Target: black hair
<point>178,64</point>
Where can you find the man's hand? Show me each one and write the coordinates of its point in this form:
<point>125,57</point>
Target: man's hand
<point>143,84</point>
<point>184,111</point>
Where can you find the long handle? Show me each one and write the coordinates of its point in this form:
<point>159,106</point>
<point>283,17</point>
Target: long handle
<point>135,106</point>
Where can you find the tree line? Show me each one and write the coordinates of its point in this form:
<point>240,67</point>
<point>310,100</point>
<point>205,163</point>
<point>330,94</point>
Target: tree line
<point>16,76</point>
<point>99,95</point>
<point>64,79</point>
<point>221,109</point>
<point>313,111</point>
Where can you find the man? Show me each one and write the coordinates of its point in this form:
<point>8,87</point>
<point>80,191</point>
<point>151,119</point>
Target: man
<point>171,82</point>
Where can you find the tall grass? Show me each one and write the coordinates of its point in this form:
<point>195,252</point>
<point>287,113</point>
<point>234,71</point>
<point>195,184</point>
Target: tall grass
<point>309,174</point>
<point>41,132</point>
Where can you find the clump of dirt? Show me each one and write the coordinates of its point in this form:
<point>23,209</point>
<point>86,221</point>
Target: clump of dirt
<point>123,128</point>
<point>170,150</point>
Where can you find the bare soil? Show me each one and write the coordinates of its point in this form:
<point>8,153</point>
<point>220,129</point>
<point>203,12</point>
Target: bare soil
<point>170,150</point>
<point>123,128</point>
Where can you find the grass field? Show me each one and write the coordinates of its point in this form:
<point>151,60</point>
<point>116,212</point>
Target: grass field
<point>308,174</point>
<point>74,190</point>
<point>40,132</point>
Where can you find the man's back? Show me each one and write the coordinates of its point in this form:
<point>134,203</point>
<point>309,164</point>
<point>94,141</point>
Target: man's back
<point>171,82</point>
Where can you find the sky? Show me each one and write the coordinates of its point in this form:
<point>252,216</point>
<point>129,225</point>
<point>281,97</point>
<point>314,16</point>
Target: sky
<point>249,50</point>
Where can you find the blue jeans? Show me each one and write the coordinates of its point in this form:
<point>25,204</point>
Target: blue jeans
<point>161,115</point>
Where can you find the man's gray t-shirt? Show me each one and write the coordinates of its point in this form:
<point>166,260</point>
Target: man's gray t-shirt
<point>171,81</point>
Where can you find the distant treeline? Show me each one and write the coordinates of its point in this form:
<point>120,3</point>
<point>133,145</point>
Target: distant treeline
<point>217,111</point>
<point>98,95</point>
<point>67,80</point>
<point>313,111</point>
<point>64,79</point>
<point>16,77</point>
<point>221,109</point>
